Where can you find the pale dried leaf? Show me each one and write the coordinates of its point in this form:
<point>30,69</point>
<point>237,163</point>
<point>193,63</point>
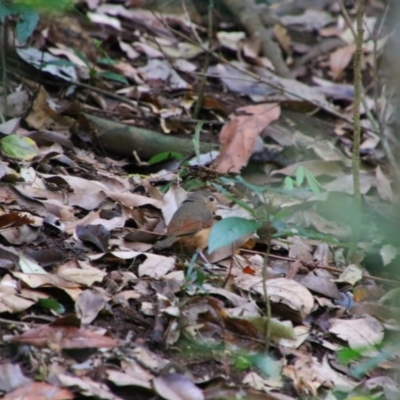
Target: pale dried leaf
<point>340,59</point>
<point>177,387</point>
<point>88,305</point>
<point>383,185</point>
<point>388,253</point>
<point>359,333</point>
<point>351,274</point>
<point>88,387</point>
<point>280,290</point>
<point>156,266</point>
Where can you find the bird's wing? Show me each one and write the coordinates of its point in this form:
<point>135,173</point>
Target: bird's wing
<point>182,227</point>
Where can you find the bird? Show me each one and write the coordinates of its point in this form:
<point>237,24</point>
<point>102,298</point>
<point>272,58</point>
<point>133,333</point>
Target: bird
<point>191,224</point>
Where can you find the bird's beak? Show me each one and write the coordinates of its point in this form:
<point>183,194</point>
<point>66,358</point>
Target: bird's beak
<point>223,207</point>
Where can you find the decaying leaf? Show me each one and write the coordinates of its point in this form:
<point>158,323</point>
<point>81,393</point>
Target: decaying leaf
<point>280,290</point>
<point>359,333</point>
<point>238,136</point>
<point>63,335</point>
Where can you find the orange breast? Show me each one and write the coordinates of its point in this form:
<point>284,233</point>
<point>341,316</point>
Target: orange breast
<point>195,241</point>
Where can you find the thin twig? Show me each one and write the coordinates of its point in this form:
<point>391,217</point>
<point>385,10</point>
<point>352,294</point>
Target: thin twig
<point>203,81</point>
<point>377,125</point>
<point>4,68</point>
<point>326,267</point>
<point>356,225</point>
<point>267,333</point>
<point>11,322</point>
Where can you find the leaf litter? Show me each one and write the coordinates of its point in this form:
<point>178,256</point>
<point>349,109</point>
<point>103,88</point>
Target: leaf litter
<point>269,315</point>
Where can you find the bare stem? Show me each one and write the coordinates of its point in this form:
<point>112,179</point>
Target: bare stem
<point>203,82</point>
<point>357,128</point>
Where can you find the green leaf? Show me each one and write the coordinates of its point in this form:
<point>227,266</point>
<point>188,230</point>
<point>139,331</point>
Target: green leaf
<point>193,184</point>
<point>288,183</point>
<point>313,183</point>
<point>227,194</point>
<point>19,147</point>
<point>6,10</point>
<point>373,363</point>
<point>196,140</point>
<point>27,22</point>
<point>294,230</point>
<point>254,188</point>
<point>82,57</point>
<point>348,355</point>
<point>112,76</point>
<point>167,155</point>
<point>300,176</point>
<point>106,61</point>
<point>226,231</point>
<point>278,329</point>
<point>242,363</point>
<point>51,304</point>
<point>55,6</point>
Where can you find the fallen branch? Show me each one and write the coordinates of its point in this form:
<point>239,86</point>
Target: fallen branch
<point>125,140</point>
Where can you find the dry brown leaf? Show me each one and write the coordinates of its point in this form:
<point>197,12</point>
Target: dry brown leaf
<point>345,183</point>
<point>320,285</point>
<point>280,290</point>
<point>301,332</point>
<point>308,375</point>
<point>83,276</point>
<point>255,381</point>
<point>351,274</point>
<point>37,280</point>
<point>359,333</point>
<point>42,116</point>
<point>340,59</point>
<point>238,136</point>
<point>230,40</point>
<point>383,185</point>
<point>177,387</point>
<point>11,377</point>
<point>309,20</point>
<point>88,387</point>
<point>340,381</point>
<point>64,334</point>
<point>133,200</point>
<point>39,390</point>
<point>156,266</point>
<point>283,38</point>
<point>316,167</point>
<point>124,379</point>
<point>88,305</point>
<point>10,301</point>
<point>161,72</point>
<point>172,200</point>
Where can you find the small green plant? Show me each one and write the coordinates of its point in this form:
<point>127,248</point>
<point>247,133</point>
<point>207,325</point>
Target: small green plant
<point>106,60</point>
<point>303,175</point>
<point>273,217</point>
<point>264,363</point>
<point>364,365</point>
<point>167,155</point>
<point>27,14</point>
<point>194,278</point>
<point>196,140</point>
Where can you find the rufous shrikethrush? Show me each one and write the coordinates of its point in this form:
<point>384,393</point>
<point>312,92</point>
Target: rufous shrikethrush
<point>191,224</point>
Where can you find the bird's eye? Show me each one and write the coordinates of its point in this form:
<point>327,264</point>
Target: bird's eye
<point>211,198</point>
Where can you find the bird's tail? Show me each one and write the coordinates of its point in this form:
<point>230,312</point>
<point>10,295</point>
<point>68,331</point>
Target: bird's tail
<point>164,244</point>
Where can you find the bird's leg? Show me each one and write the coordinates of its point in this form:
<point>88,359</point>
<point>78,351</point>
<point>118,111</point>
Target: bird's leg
<point>204,258</point>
